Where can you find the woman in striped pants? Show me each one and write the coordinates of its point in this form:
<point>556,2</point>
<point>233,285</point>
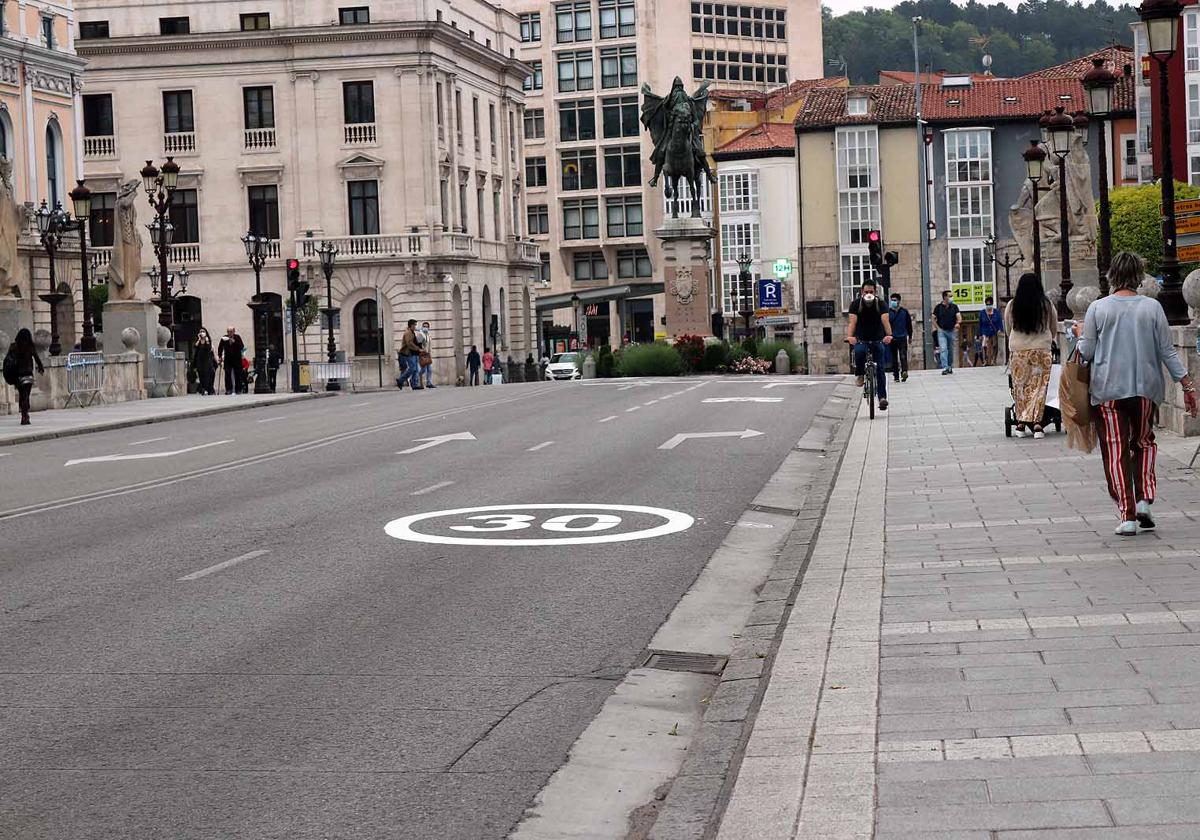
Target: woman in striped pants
<point>1127,339</point>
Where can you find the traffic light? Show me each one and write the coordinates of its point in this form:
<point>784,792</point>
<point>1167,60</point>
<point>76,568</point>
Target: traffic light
<point>875,248</point>
<point>298,287</point>
<point>882,261</point>
<point>293,274</point>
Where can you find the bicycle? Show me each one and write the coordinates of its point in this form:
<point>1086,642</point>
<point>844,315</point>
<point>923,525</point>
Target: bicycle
<point>870,372</point>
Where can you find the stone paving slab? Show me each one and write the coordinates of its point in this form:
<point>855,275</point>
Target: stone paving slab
<point>973,654</point>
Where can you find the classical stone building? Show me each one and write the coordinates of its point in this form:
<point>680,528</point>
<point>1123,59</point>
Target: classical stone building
<point>590,209</point>
<point>387,127</point>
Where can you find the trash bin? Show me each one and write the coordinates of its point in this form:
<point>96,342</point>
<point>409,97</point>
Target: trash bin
<point>304,378</point>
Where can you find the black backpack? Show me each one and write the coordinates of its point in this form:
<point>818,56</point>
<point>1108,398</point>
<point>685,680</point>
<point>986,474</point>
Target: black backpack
<point>11,374</point>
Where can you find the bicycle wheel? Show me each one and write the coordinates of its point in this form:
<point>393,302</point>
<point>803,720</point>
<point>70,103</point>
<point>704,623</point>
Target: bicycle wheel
<point>870,390</point>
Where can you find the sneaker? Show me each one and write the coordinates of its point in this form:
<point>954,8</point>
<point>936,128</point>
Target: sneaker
<point>1038,434</point>
<point>951,371</point>
<point>1019,432</point>
<point>430,385</point>
<point>904,376</point>
<point>945,371</point>
<point>883,405</point>
<point>1144,519</point>
<point>859,380</point>
<point>1128,528</point>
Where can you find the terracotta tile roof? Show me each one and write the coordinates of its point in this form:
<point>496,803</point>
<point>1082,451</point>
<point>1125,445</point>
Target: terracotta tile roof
<point>779,97</point>
<point>768,137</point>
<point>826,107</point>
<point>905,77</point>
<point>1116,56</point>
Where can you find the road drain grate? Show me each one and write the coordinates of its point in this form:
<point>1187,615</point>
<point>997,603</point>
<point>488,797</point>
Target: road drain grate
<point>779,510</point>
<point>695,663</point>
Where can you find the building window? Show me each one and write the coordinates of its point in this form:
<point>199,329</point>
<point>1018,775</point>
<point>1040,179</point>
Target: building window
<point>633,263</point>
<point>573,22</point>
<point>358,102</point>
<point>535,172</point>
<point>685,199</point>
<point>624,215</point>
<point>622,166</point>
<point>734,296</point>
<point>98,115</point>
<point>579,169</point>
<point>581,219</point>
<point>475,124</point>
<point>364,207</point>
<point>537,219</point>
<point>738,66</point>
<point>531,27</point>
<point>492,130</point>
<point>91,30</point>
<point>1191,41</point>
<point>739,238</point>
<point>354,14</point>
<point>544,267</point>
<point>512,139</point>
<point>440,109</point>
<point>588,266</point>
<point>481,230</point>
<point>577,120</point>
<point>535,124</point>
<point>617,18</point>
<point>757,22</point>
<point>185,216</point>
<point>856,269</point>
<point>969,183</point>
<point>618,67</point>
<point>1194,171</point>
<point>575,71</point>
<point>258,104</point>
<point>621,117</point>
<point>256,21</point>
<point>264,210</point>
<point>534,80</point>
<point>858,184</point>
<point>856,106</point>
<point>458,120</point>
<point>174,26</point>
<point>739,192</point>
<point>462,206</point>
<point>48,32</point>
<point>1193,113</point>
<point>101,223</point>
<point>444,194</point>
<point>177,111</point>
<point>368,338</point>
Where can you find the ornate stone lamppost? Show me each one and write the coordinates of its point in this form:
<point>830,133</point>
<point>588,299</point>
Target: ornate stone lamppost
<point>1062,130</point>
<point>51,226</point>
<point>328,253</point>
<point>1007,262</point>
<point>1035,159</point>
<point>160,192</point>
<point>1099,83</point>
<point>256,253</point>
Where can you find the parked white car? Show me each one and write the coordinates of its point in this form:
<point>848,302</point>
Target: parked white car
<point>563,367</point>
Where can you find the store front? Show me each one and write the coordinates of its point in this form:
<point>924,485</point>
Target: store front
<point>597,317</point>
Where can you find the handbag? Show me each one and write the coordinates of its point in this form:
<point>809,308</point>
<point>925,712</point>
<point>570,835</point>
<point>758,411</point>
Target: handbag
<point>425,359</point>
<point>1075,403</point>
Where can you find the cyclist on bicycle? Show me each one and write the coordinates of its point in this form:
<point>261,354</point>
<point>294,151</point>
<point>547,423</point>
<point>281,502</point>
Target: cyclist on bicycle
<point>868,330</point>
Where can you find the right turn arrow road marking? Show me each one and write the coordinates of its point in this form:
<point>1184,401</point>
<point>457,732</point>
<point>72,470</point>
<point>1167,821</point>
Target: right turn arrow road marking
<point>678,439</point>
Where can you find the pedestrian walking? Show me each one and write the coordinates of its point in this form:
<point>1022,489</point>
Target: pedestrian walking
<point>1030,321</point>
<point>204,362</point>
<point>489,362</point>
<point>425,357</point>
<point>473,364</point>
<point>902,326</point>
<point>410,353</point>
<point>991,327</point>
<point>868,331</point>
<point>19,362</point>
<point>946,321</point>
<point>1127,339</point>
<point>230,351</point>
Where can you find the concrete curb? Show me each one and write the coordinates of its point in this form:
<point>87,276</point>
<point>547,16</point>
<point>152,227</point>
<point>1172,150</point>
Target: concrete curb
<point>128,422</point>
<point>699,794</point>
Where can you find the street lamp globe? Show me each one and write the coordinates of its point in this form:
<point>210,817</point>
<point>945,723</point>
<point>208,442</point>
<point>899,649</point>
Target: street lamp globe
<point>1081,126</point>
<point>43,218</point>
<point>1044,126</point>
<point>1061,128</point>
<point>150,178</point>
<point>328,252</point>
<point>1162,26</point>
<point>1099,83</point>
<point>184,274</point>
<point>989,246</point>
<point>170,174</point>
<point>1035,158</point>
<point>81,200</point>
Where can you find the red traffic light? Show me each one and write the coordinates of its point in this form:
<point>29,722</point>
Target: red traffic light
<point>293,264</point>
<point>874,236</point>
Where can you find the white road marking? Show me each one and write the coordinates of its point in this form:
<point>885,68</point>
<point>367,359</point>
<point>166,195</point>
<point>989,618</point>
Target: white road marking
<point>148,440</point>
<point>500,519</point>
<point>431,488</point>
<point>629,385</point>
<point>141,456</point>
<point>650,402</point>
<point>250,555</point>
<point>771,385</point>
<point>678,439</point>
<point>437,440</point>
<point>743,399</point>
<point>606,419</point>
<point>634,408</point>
<point>272,419</point>
<point>540,446</point>
<point>359,405</point>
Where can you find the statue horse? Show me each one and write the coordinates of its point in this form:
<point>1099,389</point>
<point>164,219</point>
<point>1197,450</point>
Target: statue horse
<point>680,160</point>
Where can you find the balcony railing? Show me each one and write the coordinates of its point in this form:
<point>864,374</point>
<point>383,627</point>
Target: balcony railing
<point>100,147</point>
<point>179,142</point>
<point>522,250</point>
<point>259,139</point>
<point>101,254</point>
<point>185,252</point>
<point>273,249</point>
<point>379,246</point>
<point>360,134</point>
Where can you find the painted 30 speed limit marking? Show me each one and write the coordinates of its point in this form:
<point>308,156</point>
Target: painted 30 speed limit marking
<point>538,525</point>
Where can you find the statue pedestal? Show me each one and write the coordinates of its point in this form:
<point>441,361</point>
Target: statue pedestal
<point>15,314</point>
<point>139,314</point>
<point>687,244</point>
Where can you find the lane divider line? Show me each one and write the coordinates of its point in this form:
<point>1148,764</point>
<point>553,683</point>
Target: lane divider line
<point>271,419</point>
<point>606,419</point>
<point>148,440</point>
<point>250,555</point>
<point>540,446</point>
<point>634,408</point>
<point>431,488</point>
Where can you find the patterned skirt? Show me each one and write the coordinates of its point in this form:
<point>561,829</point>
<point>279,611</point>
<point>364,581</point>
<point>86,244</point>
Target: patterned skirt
<point>1030,378</point>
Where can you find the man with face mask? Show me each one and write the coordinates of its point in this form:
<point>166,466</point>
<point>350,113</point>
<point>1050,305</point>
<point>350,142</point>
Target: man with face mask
<point>991,327</point>
<point>901,321</point>
<point>868,331</point>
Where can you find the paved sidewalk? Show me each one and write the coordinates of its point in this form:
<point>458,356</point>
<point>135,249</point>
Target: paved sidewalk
<point>995,664</point>
<point>64,422</point>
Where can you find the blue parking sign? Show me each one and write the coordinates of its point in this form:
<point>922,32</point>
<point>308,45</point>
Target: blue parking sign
<point>770,294</point>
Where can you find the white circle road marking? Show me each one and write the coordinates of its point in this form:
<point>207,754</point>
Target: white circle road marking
<point>674,522</point>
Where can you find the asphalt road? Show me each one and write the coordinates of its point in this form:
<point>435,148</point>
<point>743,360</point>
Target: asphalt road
<point>217,638</point>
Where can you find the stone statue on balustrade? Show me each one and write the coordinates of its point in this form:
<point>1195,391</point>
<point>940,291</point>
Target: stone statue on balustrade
<point>14,217</point>
<point>1081,202</point>
<point>126,263</point>
<point>1082,224</point>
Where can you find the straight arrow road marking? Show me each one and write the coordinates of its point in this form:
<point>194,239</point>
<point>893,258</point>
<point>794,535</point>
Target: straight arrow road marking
<point>431,488</point>
<point>212,569</point>
<point>430,442</point>
<point>142,456</point>
<point>678,439</point>
<point>743,399</point>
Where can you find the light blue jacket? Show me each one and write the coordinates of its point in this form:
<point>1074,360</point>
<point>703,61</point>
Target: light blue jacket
<point>1128,341</point>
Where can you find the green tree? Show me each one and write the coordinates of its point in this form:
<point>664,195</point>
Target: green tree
<point>308,314</point>
<point>1137,223</point>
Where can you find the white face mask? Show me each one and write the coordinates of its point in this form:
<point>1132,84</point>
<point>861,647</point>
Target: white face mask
<point>869,298</point>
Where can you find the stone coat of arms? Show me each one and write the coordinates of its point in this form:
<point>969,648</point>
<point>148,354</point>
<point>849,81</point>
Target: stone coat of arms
<point>683,287</point>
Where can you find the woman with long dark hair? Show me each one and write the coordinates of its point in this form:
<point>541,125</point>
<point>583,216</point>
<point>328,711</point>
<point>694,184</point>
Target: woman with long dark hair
<point>25,357</point>
<point>1030,321</point>
<point>204,361</point>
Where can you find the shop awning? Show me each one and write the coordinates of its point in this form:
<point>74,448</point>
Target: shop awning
<point>628,290</point>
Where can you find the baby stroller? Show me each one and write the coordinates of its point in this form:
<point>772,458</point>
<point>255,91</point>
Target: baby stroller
<point>1051,415</point>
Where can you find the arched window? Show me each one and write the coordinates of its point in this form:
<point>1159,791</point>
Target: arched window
<point>368,339</point>
<point>53,175</point>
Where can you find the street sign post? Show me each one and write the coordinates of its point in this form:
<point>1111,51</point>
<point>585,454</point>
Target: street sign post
<point>1187,224</point>
<point>1188,253</point>
<point>1187,206</point>
<point>770,294</point>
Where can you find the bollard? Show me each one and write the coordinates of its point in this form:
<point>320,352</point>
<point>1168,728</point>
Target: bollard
<point>589,367</point>
<point>783,364</point>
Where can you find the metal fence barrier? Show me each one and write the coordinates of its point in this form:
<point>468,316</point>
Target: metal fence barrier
<point>85,378</point>
<point>325,371</point>
<point>162,368</point>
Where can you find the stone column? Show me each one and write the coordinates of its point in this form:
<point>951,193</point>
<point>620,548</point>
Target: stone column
<point>686,245</point>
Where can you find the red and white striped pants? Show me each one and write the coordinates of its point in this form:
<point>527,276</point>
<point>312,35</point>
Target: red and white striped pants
<point>1126,433</point>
